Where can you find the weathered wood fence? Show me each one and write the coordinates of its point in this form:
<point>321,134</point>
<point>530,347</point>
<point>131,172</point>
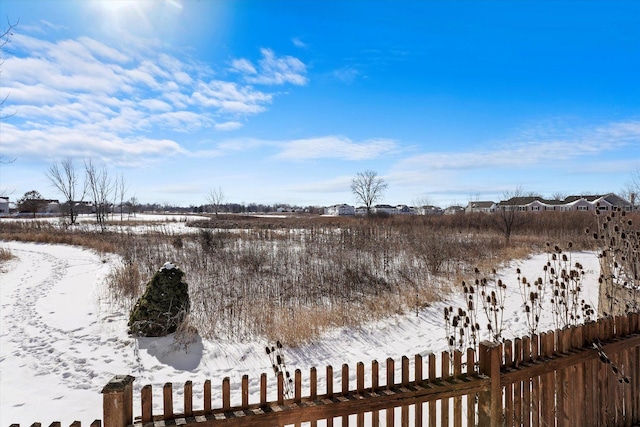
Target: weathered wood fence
<point>587,375</point>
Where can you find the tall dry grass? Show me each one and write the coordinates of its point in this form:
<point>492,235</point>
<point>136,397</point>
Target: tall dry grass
<point>291,279</point>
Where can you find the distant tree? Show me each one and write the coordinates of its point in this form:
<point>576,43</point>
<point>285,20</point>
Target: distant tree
<point>132,206</point>
<point>507,218</point>
<point>64,177</point>
<point>120,191</point>
<point>558,196</point>
<point>100,187</point>
<point>368,188</point>
<point>632,190</point>
<point>32,202</point>
<point>215,199</point>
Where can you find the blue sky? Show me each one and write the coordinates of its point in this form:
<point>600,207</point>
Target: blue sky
<point>286,101</point>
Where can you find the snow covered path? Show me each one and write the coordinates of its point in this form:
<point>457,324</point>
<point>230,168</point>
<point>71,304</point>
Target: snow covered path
<point>53,345</point>
<point>61,341</point>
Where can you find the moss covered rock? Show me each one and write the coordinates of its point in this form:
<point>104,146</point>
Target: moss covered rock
<point>163,306</point>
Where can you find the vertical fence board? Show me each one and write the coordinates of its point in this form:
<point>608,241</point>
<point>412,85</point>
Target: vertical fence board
<point>404,412</point>
<point>549,382</point>
<point>471,398</point>
<point>626,387</point>
<point>526,385</point>
<point>375,384</point>
<point>226,393</point>
<point>313,389</point>
<point>444,403</point>
<point>207,397</point>
<point>245,391</point>
<point>417,366</point>
<point>432,378</point>
<point>167,401</point>
<point>562,379</point>
<point>508,389</point>
<point>297,396</point>
<point>329,382</point>
<point>517,388</point>
<point>457,401</point>
<point>360,390</point>
<point>635,396</point>
<point>263,389</point>
<point>188,398</point>
<point>146,396</point>
<point>535,384</point>
<point>345,390</point>
<point>280,391</point>
<point>576,412</point>
<point>390,412</point>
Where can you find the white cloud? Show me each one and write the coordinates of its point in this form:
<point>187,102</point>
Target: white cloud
<point>534,150</point>
<point>82,95</point>
<point>272,70</point>
<point>297,42</point>
<point>335,147</point>
<point>228,126</point>
<point>243,66</point>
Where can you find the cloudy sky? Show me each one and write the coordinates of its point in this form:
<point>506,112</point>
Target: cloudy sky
<point>285,101</point>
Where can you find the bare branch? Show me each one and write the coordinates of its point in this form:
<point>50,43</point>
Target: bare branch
<point>368,188</point>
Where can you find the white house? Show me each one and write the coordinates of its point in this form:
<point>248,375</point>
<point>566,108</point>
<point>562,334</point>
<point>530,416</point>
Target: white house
<point>342,209</point>
<point>483,207</point>
<point>4,206</point>
<point>429,210</point>
<point>604,202</point>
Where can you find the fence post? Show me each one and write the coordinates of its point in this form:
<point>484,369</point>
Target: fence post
<point>490,402</point>
<point>117,401</point>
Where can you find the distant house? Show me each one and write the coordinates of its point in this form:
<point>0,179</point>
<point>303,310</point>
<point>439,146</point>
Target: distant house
<point>403,210</point>
<point>383,209</point>
<point>4,206</point>
<point>452,210</point>
<point>483,207</point>
<point>428,210</point>
<point>342,209</point>
<point>604,202</point>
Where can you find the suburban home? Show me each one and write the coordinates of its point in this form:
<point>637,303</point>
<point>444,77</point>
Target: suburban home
<point>403,210</point>
<point>4,206</point>
<point>342,209</point>
<point>604,202</point>
<point>452,210</point>
<point>428,210</point>
<point>482,207</point>
<point>383,209</point>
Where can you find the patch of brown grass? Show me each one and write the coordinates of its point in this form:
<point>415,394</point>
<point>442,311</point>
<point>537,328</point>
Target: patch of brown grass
<point>5,255</point>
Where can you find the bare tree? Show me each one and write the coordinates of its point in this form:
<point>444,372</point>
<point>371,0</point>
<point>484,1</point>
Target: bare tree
<point>64,177</point>
<point>368,188</point>
<point>507,217</point>
<point>100,187</point>
<point>132,205</point>
<point>216,199</point>
<point>32,202</point>
<point>632,191</point>
<point>121,189</point>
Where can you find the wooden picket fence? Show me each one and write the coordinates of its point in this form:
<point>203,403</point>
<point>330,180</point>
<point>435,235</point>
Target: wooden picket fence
<point>587,375</point>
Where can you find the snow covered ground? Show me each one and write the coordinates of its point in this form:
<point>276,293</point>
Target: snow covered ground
<point>61,341</point>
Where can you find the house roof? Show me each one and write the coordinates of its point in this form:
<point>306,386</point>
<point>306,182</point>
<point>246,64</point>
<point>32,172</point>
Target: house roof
<point>483,204</point>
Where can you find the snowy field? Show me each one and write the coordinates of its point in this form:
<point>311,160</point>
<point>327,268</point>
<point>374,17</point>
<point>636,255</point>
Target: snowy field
<point>61,341</point>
